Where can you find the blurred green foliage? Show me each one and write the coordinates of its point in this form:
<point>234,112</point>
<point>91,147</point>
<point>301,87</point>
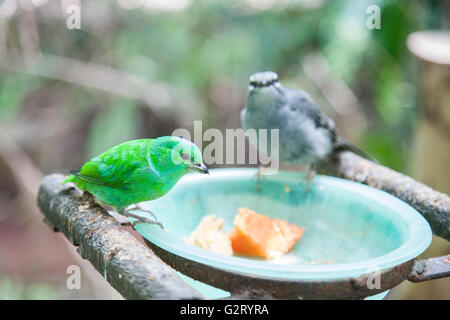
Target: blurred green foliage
<point>204,54</point>
<point>209,41</point>
<point>117,124</point>
<point>14,290</point>
<point>13,88</point>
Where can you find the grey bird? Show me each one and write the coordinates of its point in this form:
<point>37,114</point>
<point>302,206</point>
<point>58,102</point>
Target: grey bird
<point>306,134</point>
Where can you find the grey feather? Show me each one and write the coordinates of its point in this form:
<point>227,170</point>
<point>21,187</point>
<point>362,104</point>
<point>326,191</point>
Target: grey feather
<point>306,134</point>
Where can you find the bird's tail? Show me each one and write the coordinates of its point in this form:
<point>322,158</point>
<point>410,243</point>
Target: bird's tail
<point>343,144</point>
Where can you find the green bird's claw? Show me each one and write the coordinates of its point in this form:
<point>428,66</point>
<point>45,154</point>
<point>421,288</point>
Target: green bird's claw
<point>141,219</point>
<point>144,220</point>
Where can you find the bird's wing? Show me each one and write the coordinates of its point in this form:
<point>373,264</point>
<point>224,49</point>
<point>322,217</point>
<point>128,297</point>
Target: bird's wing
<point>325,122</point>
<point>115,167</point>
<point>301,102</point>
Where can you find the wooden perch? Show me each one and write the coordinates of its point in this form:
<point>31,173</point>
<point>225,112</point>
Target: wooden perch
<point>430,269</point>
<point>433,205</point>
<point>128,265</point>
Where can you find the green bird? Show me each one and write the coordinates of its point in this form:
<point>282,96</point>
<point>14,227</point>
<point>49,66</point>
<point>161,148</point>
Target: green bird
<point>136,171</point>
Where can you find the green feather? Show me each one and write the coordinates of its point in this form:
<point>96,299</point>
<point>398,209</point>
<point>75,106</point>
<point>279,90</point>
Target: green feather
<point>136,170</point>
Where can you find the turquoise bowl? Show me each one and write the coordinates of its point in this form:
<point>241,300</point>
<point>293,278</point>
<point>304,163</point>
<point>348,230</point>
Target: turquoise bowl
<point>351,229</point>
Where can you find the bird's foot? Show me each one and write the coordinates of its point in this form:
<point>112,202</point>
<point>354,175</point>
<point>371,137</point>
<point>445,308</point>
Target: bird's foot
<point>309,177</point>
<point>141,219</point>
<point>138,207</point>
<point>146,220</point>
<point>258,178</point>
<point>123,220</point>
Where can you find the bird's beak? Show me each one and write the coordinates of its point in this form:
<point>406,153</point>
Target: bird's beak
<point>200,168</point>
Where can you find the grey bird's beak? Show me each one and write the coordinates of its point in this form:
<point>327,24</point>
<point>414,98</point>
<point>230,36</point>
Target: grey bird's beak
<point>200,168</point>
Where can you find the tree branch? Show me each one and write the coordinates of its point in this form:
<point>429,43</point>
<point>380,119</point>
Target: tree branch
<point>129,266</point>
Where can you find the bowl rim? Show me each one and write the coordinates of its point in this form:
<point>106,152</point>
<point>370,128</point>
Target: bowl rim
<point>418,239</point>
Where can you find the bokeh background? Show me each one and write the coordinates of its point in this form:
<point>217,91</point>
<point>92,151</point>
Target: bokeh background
<point>142,68</point>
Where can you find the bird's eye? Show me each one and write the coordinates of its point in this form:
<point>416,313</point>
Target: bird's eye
<point>185,156</point>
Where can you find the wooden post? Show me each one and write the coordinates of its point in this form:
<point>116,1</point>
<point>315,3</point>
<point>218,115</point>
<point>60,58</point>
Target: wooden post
<point>432,139</point>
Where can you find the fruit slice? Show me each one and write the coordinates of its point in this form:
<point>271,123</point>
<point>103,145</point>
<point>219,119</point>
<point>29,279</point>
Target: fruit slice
<point>260,236</point>
<point>209,235</point>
